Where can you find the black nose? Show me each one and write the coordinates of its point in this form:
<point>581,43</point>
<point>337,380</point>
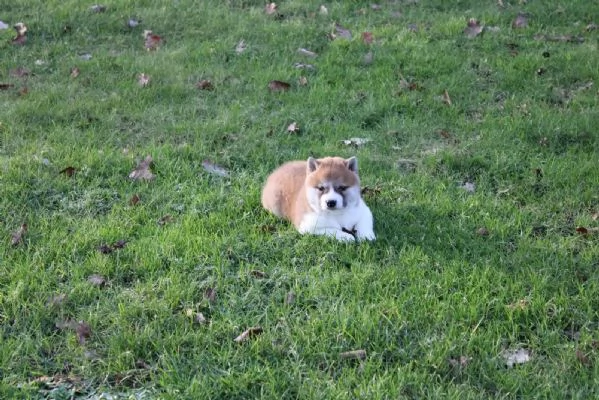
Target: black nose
<point>331,203</point>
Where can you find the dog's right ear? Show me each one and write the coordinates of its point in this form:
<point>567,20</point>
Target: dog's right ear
<point>312,164</point>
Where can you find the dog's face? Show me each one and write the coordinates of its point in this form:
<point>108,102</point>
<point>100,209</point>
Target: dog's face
<point>332,183</point>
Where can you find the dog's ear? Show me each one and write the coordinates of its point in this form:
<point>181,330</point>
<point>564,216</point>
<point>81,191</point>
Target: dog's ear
<point>352,164</point>
<point>312,164</point>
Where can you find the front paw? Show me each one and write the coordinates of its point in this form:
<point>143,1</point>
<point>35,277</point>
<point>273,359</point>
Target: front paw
<point>368,235</point>
<point>344,236</point>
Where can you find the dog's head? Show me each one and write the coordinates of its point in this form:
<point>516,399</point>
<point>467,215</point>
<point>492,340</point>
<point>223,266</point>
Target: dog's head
<point>332,183</point>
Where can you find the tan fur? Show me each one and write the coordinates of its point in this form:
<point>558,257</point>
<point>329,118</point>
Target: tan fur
<point>284,193</point>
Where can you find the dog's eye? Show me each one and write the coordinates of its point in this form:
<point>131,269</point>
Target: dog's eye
<point>341,188</point>
<point>320,188</point>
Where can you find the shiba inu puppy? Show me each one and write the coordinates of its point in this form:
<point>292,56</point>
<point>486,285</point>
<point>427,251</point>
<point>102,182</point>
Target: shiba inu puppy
<point>320,196</point>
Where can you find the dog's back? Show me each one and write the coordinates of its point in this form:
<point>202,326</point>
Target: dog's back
<point>283,193</point>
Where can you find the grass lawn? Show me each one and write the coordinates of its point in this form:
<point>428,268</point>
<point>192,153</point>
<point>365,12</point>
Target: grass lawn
<point>478,150</point>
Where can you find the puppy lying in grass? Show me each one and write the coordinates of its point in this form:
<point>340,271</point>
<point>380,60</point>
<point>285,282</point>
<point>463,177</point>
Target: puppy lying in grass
<point>321,197</point>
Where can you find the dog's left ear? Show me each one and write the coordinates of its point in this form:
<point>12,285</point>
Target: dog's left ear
<point>352,164</point>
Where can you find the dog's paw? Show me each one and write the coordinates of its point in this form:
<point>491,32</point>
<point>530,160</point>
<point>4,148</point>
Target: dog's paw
<point>344,236</point>
<point>368,235</point>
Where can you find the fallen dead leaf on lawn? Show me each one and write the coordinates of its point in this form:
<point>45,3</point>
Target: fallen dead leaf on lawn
<point>241,47</point>
<point>134,200</point>
<point>69,171</point>
<point>515,357</point>
<point>446,98</point>
<point>342,32</point>
<point>56,300</point>
<point>521,21</point>
<point>21,37</point>
<point>97,280</point>
<point>356,141</point>
<point>249,334</point>
<point>98,8</point>
<point>133,22</point>
<point>75,72</point>
<point>353,355</point>
<point>461,362</point>
<point>367,37</point>
<point>370,191</point>
<point>586,231</point>
<point>290,298</point>
<point>143,79</point>
<point>473,28</point>
<point>109,248</point>
<point>368,58</point>
<point>152,41</point>
<point>583,358</point>
<point>482,232</point>
<point>210,294</point>
<point>278,86</point>
<point>17,237</point>
<point>302,81</point>
<point>323,10</point>
<point>200,319</point>
<point>165,219</point>
<point>205,84</point>
<point>306,52</point>
<point>83,331</point>
<point>304,66</point>
<point>258,274</point>
<point>293,128</point>
<point>6,86</point>
<point>470,187</point>
<point>270,8</point>
<point>560,38</point>
<point>3,25</point>
<point>142,171</point>
<point>20,72</point>
<point>521,304</point>
<point>212,168</point>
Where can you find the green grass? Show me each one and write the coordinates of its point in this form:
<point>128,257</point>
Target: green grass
<point>522,127</point>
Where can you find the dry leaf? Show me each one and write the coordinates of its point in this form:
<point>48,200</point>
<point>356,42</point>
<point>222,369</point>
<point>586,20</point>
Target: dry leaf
<point>143,80</point>
<point>249,334</point>
<point>75,72</point>
<point>20,72</point>
<point>367,37</point>
<point>356,141</point>
<point>521,304</point>
<point>368,191</point>
<point>205,84</point>
<point>521,21</point>
<point>142,171</point>
<point>258,274</point>
<point>473,29</point>
<point>446,98</point>
<point>342,32</point>
<point>21,37</point>
<point>241,46</point>
<point>69,171</point>
<point>323,10</point>
<point>200,319</point>
<point>84,332</point>
<point>6,86</point>
<point>293,128</point>
<point>302,81</point>
<point>368,58</point>
<point>304,66</point>
<point>152,41</point>
<point>270,8</point>
<point>482,232</point>
<point>290,298</point>
<point>97,280</point>
<point>353,355</point>
<point>56,300</point>
<point>17,237</point>
<point>461,362</point>
<point>278,86</point>
<point>133,22</point>
<point>3,25</point>
<point>514,357</point>
<point>98,8</point>
<point>212,168</point>
<point>306,52</point>
<point>583,358</point>
<point>210,294</point>
<point>470,187</point>
<point>134,200</point>
<point>165,219</point>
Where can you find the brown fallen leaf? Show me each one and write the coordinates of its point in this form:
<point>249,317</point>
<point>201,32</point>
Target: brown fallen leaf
<point>302,81</point>
<point>75,72</point>
<point>143,79</point>
<point>258,274</point>
<point>446,98</point>
<point>200,319</point>
<point>461,362</point>
<point>17,237</point>
<point>165,219</point>
<point>210,294</point>
<point>293,128</point>
<point>20,72</point>
<point>109,248</point>
<point>21,37</point>
<point>367,37</point>
<point>142,171</point>
<point>6,86</point>
<point>521,21</point>
<point>521,304</point>
<point>583,358</point>
<point>353,355</point>
<point>370,191</point>
<point>96,280</point>
<point>212,168</point>
<point>56,300</point>
<point>290,298</point>
<point>134,200</point>
<point>473,28</point>
<point>342,32</point>
<point>98,8</point>
<point>83,331</point>
<point>205,84</point>
<point>518,356</point>
<point>278,86</point>
<point>306,52</point>
<point>69,171</point>
<point>270,8</point>
<point>249,333</point>
<point>482,232</point>
<point>152,41</point>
